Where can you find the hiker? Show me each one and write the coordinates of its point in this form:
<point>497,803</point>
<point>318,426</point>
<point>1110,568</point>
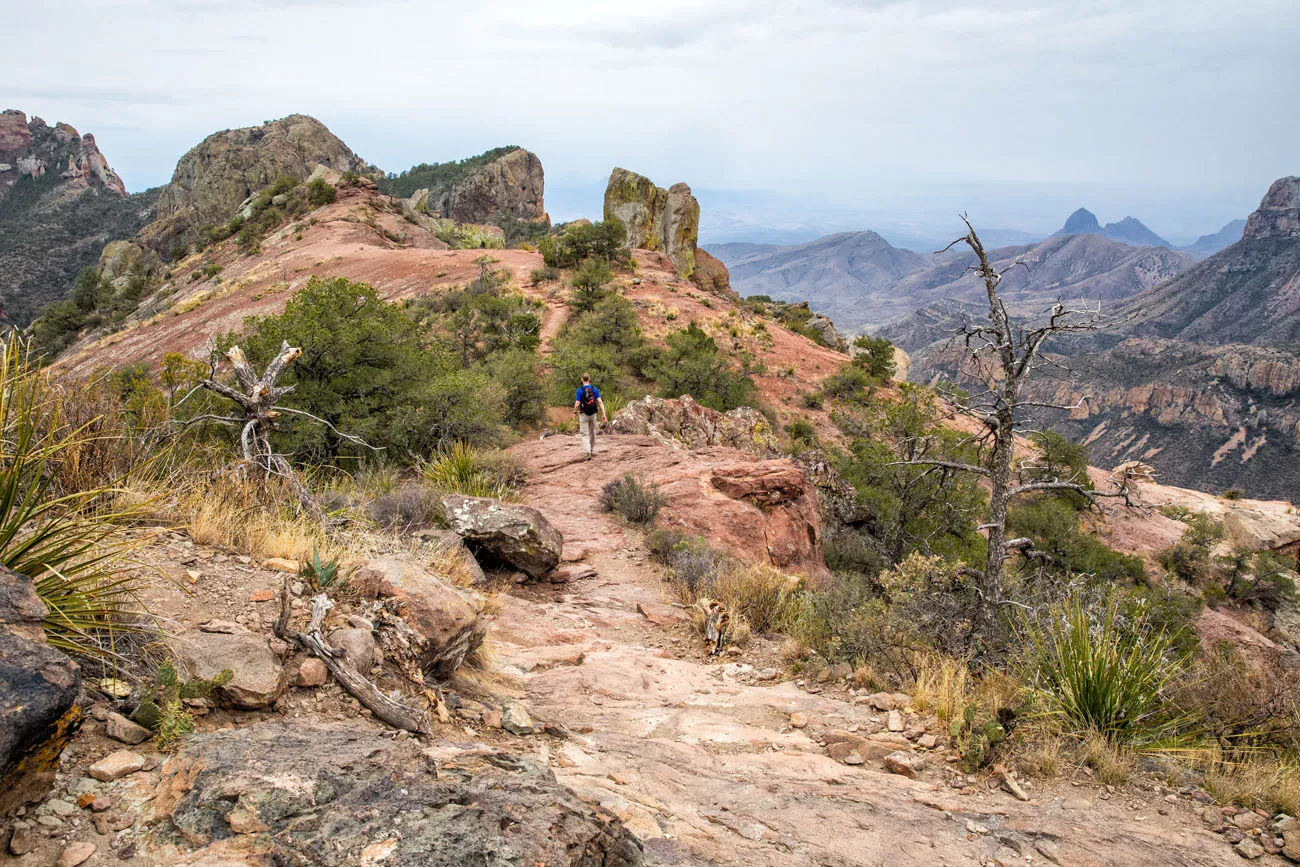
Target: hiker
<point>586,403</point>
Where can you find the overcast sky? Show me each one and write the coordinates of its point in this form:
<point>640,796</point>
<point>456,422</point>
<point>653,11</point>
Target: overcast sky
<point>819,112</point>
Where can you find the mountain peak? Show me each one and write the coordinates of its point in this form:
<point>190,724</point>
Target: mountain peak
<point>1278,215</point>
<point>1133,232</point>
<point>1081,222</point>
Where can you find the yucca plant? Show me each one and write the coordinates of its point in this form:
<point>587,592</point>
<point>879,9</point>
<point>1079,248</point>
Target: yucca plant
<point>463,469</point>
<point>69,542</point>
<point>1097,676</point>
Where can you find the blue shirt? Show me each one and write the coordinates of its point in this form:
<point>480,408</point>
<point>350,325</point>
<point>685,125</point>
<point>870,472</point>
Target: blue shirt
<point>577,396</point>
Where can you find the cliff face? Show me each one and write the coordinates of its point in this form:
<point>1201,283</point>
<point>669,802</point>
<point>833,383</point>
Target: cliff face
<point>71,162</point>
<point>59,204</point>
<point>1279,212</point>
<point>667,221</point>
<point>224,169</point>
<point>510,187</point>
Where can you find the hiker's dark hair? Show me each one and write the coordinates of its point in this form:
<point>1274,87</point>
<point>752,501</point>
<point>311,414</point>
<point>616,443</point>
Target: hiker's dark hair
<point>586,377</point>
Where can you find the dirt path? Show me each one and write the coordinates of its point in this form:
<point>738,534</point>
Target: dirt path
<point>699,758</point>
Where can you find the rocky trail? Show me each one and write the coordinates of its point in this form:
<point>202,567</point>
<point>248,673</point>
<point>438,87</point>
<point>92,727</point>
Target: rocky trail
<point>700,759</point>
<point>595,680</point>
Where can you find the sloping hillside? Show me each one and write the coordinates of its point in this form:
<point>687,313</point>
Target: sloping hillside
<point>367,236</point>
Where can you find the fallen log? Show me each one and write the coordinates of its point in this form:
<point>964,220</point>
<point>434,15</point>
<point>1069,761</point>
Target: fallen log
<point>397,714</point>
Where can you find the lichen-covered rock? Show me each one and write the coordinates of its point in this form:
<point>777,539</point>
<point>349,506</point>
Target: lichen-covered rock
<point>686,421</point>
<point>329,795</point>
<point>257,675</point>
<point>447,618</point>
<point>224,169</point>
<point>38,695</point>
<point>519,536</point>
<point>656,219</point>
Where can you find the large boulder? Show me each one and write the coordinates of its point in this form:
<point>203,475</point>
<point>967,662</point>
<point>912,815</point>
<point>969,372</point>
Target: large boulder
<point>38,695</point>
<point>257,675</point>
<point>686,421</point>
<point>446,618</point>
<point>329,795</point>
<point>656,219</point>
<point>220,172</point>
<point>712,275</point>
<point>519,536</point>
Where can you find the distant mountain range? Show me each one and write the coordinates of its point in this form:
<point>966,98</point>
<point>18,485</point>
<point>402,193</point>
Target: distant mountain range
<point>863,282</point>
<point>1198,375</point>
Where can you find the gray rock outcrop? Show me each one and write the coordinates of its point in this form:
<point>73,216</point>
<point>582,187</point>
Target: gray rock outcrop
<point>329,796</point>
<point>216,175</point>
<point>38,695</point>
<point>667,221</point>
<point>687,422</point>
<point>509,187</point>
<point>1279,212</point>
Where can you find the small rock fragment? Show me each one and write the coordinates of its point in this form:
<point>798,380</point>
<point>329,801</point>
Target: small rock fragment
<point>515,719</point>
<point>120,728</point>
<point>895,721</point>
<point>116,765</point>
<point>1249,849</point>
<point>261,596</point>
<point>59,807</point>
<point>901,764</point>
<point>927,741</point>
<point>22,841</point>
<point>798,720</point>
<point>312,672</point>
<point>76,853</point>
<point>280,564</point>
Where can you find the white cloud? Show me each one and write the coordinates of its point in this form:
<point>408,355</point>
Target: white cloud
<point>1175,110</point>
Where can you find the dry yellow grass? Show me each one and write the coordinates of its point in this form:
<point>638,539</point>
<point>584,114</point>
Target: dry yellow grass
<point>1264,781</point>
<point>943,686</point>
<point>1112,764</point>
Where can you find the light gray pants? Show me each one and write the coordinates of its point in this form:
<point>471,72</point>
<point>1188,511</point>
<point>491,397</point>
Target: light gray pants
<point>587,432</point>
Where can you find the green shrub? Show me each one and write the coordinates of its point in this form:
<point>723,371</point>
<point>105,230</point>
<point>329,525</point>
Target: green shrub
<point>1095,675</point>
<point>637,500</point>
<point>810,399</point>
<point>544,275</point>
<point>875,355</point>
<point>693,364</point>
<point>576,243</point>
<point>589,282</point>
<point>801,430</point>
<point>1234,494</point>
<point>1053,525</point>
<point>1191,558</point>
<point>849,383</point>
<point>320,193</point>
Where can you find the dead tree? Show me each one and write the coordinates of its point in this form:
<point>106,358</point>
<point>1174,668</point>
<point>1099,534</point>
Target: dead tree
<point>1002,355</point>
<point>257,399</point>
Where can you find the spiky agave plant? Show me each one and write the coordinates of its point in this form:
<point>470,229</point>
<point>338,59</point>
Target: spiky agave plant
<point>1098,676</point>
<point>69,542</point>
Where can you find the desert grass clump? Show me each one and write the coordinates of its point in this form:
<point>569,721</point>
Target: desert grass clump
<point>463,469</point>
<point>1096,676</point>
<point>760,594</point>
<point>408,507</point>
<point>637,500</point>
<point>1261,782</point>
<point>943,686</point>
<point>70,541</point>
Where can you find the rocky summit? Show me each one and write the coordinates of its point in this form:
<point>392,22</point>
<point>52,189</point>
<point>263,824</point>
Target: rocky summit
<point>215,176</point>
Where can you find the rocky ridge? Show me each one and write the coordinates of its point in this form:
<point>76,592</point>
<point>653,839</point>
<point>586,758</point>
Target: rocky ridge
<point>60,202</point>
<point>509,187</point>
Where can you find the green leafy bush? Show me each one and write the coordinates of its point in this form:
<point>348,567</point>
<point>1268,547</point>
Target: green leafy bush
<point>875,355</point>
<point>693,364</point>
<point>577,242</point>
<point>589,282</point>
